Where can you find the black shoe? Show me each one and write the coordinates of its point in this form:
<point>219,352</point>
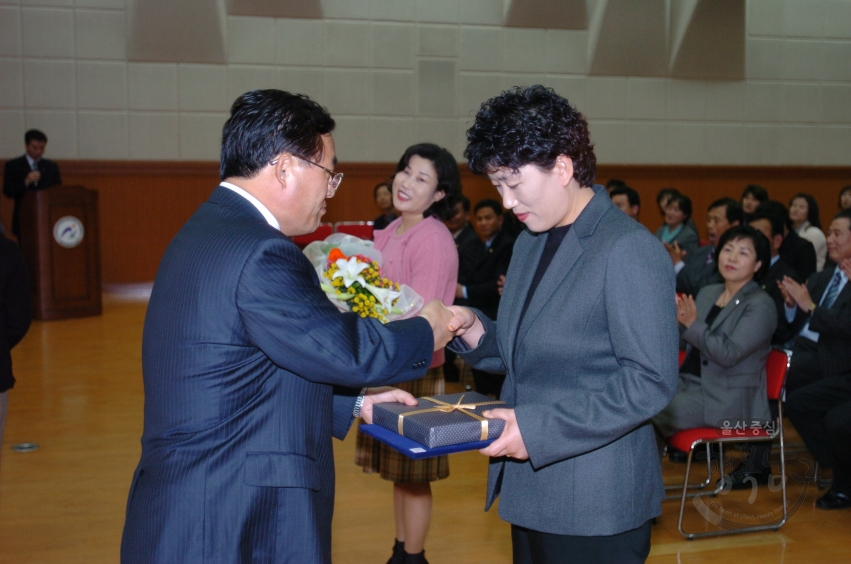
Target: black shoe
<point>741,478</point>
<point>415,558</point>
<point>834,500</point>
<point>398,553</point>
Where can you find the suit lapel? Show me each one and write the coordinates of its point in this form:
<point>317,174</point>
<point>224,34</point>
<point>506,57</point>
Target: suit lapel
<point>525,272</point>
<point>735,302</point>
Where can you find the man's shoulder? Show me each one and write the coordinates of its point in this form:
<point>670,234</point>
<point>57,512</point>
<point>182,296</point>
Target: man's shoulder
<point>16,162</point>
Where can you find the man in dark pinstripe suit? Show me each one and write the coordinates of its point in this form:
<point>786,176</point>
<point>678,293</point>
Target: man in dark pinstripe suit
<point>249,370</point>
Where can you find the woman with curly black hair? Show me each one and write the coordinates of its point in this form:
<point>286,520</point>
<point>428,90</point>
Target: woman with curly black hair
<point>586,336</point>
<point>417,249</point>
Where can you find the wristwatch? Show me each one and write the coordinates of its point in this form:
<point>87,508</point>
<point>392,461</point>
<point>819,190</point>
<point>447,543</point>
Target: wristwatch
<point>359,403</point>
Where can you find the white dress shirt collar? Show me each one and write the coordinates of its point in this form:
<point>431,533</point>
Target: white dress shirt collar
<point>255,202</point>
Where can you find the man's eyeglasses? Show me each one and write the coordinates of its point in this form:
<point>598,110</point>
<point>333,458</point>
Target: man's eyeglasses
<point>334,178</point>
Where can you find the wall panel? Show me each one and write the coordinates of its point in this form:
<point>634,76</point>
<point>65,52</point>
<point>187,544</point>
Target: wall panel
<point>144,204</point>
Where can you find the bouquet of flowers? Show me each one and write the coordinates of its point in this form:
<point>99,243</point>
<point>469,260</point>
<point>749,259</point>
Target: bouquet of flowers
<point>349,272</point>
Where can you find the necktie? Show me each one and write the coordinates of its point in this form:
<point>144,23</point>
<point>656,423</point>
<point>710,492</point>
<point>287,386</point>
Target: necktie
<point>35,165</point>
<point>832,291</point>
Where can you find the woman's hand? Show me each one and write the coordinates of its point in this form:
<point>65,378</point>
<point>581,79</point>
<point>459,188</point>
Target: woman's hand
<point>686,311</point>
<point>510,442</point>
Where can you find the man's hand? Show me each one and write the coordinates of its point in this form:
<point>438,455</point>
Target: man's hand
<point>438,316</point>
<point>32,177</point>
<point>675,252</point>
<point>798,292</point>
<point>787,297</point>
<point>686,311</point>
<point>384,394</point>
<point>500,283</point>
<point>510,442</point>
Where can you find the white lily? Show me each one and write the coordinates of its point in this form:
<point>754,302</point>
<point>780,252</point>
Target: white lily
<point>349,270</point>
<point>385,296</point>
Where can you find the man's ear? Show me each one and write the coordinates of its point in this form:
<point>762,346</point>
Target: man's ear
<point>283,168</point>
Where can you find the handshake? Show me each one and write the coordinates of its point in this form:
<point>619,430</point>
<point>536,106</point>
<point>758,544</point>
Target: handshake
<point>446,322</point>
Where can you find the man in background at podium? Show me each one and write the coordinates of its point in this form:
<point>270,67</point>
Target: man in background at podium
<point>28,172</point>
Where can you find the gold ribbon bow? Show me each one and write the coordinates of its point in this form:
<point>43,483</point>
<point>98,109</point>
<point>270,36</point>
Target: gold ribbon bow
<point>444,407</point>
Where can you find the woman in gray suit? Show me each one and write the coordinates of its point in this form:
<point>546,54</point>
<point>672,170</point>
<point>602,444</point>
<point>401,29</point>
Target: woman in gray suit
<point>728,331</point>
<point>585,335</point>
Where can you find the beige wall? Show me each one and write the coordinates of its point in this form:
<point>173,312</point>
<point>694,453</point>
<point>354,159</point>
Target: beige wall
<point>394,72</point>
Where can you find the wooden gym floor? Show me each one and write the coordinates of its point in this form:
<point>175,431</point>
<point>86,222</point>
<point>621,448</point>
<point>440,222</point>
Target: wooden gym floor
<point>79,396</point>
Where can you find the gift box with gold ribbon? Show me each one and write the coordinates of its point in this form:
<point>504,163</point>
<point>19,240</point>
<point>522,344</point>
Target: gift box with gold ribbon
<point>437,421</point>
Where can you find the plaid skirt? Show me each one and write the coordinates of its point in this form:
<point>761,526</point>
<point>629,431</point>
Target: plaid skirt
<point>375,457</point>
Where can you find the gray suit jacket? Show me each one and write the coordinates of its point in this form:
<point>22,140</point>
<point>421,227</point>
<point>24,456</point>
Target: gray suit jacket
<point>733,352</point>
<point>594,359</point>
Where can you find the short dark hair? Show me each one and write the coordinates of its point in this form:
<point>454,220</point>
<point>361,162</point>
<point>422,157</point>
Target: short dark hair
<point>734,209</point>
<point>532,125</point>
<point>666,193</point>
<point>464,201</point>
<point>842,192</point>
<point>760,244</point>
<point>489,203</point>
<point>683,202</point>
<point>771,215</point>
<point>265,123</point>
<point>844,214</point>
<point>34,135</point>
<point>631,195</point>
<point>756,191</point>
<point>448,177</point>
<point>812,208</point>
<point>385,184</point>
<point>775,207</point>
<point>615,183</point>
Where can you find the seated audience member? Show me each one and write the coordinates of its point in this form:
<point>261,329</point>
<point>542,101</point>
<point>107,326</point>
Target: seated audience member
<point>627,200</point>
<point>820,313</point>
<point>613,184</point>
<point>383,194</point>
<point>752,197</point>
<point>470,251</point>
<point>15,318</point>
<point>772,226</point>
<point>797,252</point>
<point>663,197</point>
<point>676,229</point>
<point>727,330</point>
<point>482,290</point>
<point>803,213</point>
<point>845,198</point>
<point>699,268</point>
<point>821,413</point>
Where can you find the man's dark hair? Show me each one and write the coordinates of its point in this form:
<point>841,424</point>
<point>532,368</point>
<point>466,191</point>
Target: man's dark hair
<point>842,192</point>
<point>34,135</point>
<point>386,183</point>
<point>684,203</point>
<point>448,177</point>
<point>666,193</point>
<point>530,126</point>
<point>265,123</point>
<point>771,215</point>
<point>489,203</point>
<point>757,191</point>
<point>760,245</point>
<point>631,195</point>
<point>465,203</point>
<point>614,184</point>
<point>812,208</point>
<point>844,214</point>
<point>775,207</point>
<point>733,211</point>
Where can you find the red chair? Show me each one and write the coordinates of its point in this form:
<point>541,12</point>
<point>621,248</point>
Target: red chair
<point>362,229</point>
<point>690,439</point>
<point>322,232</point>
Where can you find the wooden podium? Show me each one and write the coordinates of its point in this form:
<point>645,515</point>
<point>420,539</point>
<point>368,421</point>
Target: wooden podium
<point>59,241</point>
